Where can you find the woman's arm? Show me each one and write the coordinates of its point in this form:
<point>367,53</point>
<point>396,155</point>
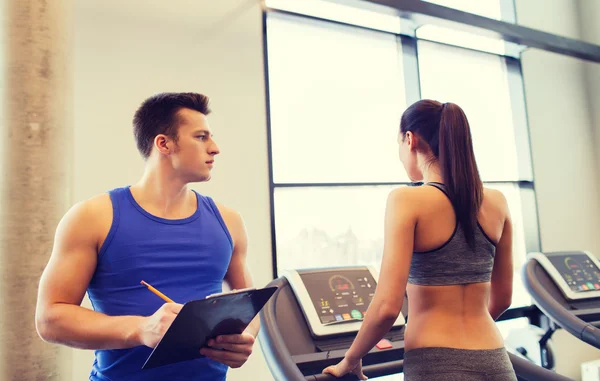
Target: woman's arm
<point>400,223</point>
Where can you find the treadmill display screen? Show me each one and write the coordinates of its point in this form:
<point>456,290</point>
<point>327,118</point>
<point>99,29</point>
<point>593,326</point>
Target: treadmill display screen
<point>340,295</point>
<point>580,273</point>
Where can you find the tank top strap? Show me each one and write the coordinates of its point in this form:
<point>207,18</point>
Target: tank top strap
<point>439,186</point>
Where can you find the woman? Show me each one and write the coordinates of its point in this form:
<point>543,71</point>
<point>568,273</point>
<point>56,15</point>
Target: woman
<point>450,240</point>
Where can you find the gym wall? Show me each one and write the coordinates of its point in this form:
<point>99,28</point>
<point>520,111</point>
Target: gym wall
<point>564,147</point>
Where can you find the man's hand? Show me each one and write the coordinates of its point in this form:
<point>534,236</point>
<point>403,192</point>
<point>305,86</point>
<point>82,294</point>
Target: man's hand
<point>152,328</point>
<point>235,349</point>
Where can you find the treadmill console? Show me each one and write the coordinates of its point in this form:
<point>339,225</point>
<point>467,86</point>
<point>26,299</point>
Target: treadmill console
<point>577,274</point>
<point>335,300</point>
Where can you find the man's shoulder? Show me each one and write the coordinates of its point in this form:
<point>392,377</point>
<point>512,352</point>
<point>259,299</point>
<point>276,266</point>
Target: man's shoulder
<point>233,220</point>
<point>98,202</point>
<point>227,212</point>
<point>92,208</point>
<point>93,204</point>
<point>87,218</point>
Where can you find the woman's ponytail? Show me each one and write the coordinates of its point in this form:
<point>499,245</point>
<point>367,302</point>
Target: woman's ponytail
<point>459,169</point>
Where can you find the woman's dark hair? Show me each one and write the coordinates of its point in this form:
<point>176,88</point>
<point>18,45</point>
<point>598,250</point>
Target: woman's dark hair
<point>158,115</point>
<point>445,129</point>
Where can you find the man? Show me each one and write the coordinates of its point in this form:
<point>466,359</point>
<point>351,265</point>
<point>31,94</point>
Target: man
<point>182,243</point>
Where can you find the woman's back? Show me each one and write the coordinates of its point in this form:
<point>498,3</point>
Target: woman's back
<point>455,314</point>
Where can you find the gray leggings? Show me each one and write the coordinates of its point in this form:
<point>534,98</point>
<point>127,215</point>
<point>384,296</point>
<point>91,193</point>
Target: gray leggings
<point>450,364</point>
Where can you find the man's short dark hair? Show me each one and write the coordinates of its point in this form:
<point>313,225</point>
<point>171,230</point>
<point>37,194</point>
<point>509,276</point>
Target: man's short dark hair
<point>158,115</point>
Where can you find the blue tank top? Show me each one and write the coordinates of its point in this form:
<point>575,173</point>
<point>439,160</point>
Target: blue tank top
<point>186,259</point>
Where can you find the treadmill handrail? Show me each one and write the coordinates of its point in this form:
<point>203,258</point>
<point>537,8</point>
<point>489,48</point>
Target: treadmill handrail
<point>273,340</point>
<point>526,371</point>
<point>371,371</point>
<point>554,310</point>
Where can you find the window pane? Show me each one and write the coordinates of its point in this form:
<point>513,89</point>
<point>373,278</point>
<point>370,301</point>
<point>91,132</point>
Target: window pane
<point>336,226</point>
<point>336,96</point>
<point>329,226</point>
<point>339,12</point>
<point>478,83</point>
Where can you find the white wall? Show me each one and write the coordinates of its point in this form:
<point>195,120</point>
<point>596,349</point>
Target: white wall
<point>563,149</point>
<point>128,50</point>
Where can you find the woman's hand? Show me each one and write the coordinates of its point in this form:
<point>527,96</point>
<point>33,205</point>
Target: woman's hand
<point>344,367</point>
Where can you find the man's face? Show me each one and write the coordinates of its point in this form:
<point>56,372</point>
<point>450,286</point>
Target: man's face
<point>195,150</point>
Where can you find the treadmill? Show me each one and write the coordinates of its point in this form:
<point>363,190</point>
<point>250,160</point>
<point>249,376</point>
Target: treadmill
<point>565,286</point>
<point>313,317</point>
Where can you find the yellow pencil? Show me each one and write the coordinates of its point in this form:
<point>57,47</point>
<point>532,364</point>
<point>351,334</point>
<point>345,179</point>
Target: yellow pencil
<point>162,296</point>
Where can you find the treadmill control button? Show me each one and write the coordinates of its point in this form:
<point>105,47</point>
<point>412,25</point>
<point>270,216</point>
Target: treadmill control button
<point>383,344</point>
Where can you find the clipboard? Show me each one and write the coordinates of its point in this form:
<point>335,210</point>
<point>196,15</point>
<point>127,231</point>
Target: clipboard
<point>201,320</point>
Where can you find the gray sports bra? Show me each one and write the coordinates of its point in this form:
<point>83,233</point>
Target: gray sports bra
<point>455,262</point>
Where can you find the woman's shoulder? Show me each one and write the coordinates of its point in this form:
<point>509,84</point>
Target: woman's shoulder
<point>411,199</point>
<point>495,198</point>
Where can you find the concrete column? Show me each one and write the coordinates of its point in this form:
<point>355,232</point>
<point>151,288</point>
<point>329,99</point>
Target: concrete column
<point>35,164</point>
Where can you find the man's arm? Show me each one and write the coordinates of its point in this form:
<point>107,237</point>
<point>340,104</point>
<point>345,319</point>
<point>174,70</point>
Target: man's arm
<point>237,347</point>
<point>59,316</point>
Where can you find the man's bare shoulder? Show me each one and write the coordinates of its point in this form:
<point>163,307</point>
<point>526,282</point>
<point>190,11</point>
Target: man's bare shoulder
<point>93,214</point>
<point>228,213</point>
<point>234,222</point>
<point>98,204</point>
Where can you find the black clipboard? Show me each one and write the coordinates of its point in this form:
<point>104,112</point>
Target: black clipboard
<point>201,320</point>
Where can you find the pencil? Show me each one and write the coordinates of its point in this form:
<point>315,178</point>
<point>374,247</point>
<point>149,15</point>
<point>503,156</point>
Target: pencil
<point>162,296</point>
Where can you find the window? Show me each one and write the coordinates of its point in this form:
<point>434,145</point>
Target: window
<point>336,94</point>
<point>333,125</point>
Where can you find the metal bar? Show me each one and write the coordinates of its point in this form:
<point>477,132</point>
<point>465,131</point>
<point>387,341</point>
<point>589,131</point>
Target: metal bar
<point>514,78</point>
<point>423,12</point>
<point>310,185</point>
<point>524,183</point>
<point>531,223</point>
<point>269,147</point>
<point>410,66</point>
<point>530,312</point>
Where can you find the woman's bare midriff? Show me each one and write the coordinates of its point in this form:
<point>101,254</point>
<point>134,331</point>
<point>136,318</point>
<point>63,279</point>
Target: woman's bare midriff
<point>453,316</point>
